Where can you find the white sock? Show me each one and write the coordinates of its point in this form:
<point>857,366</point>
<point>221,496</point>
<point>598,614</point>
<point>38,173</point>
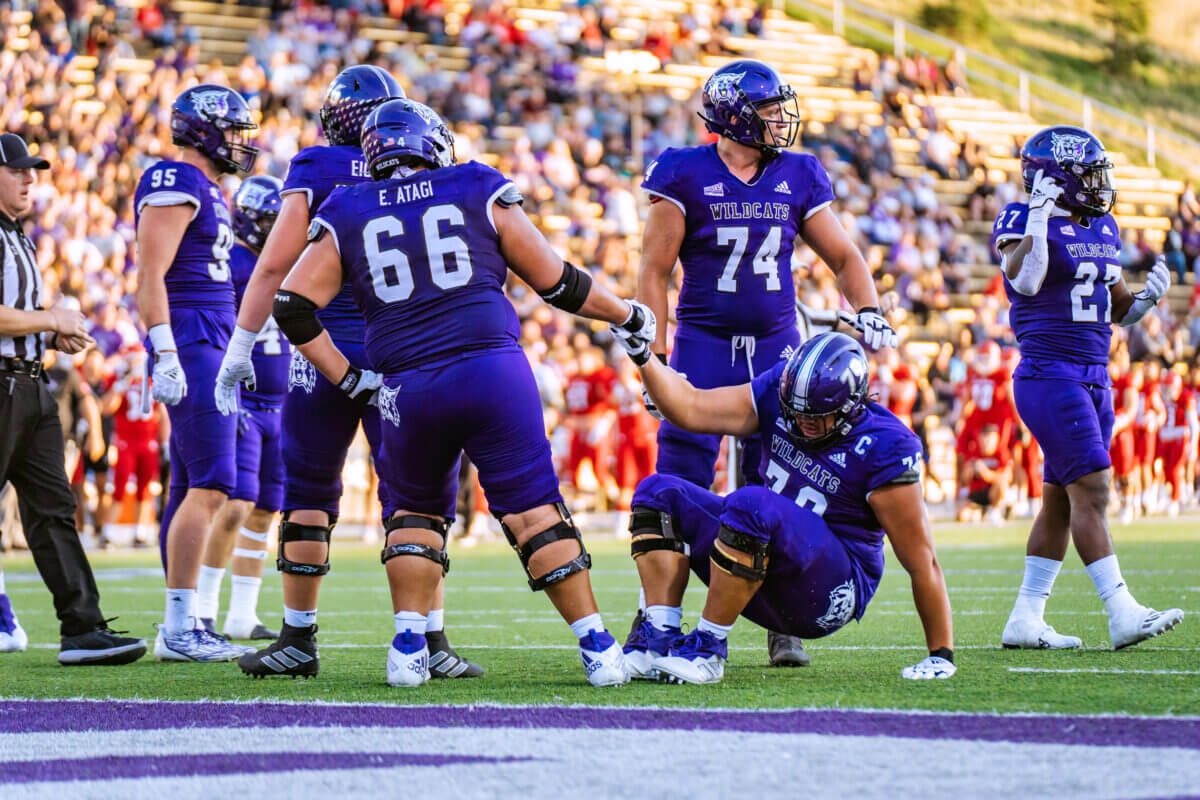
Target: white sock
<point>641,599</point>
<point>718,631</point>
<point>180,614</point>
<point>299,619</point>
<point>584,625</point>
<point>1106,575</point>
<point>208,591</point>
<point>1036,586</point>
<point>436,620</point>
<point>3,588</point>
<point>409,621</point>
<point>243,597</point>
<point>663,617</point>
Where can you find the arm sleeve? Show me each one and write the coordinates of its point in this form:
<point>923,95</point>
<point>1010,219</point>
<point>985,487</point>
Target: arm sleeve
<point>660,181</point>
<point>820,190</point>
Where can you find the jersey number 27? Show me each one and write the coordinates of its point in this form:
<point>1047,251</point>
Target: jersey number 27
<point>1086,275</point>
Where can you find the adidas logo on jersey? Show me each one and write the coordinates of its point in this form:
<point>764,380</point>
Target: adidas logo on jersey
<point>787,353</point>
<point>716,190</point>
<point>783,188</point>
<point>1107,230</point>
<point>1067,230</point>
<point>839,459</point>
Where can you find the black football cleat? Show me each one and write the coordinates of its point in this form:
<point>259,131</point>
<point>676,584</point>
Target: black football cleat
<point>444,662</point>
<point>101,647</point>
<point>786,651</point>
<point>292,655</point>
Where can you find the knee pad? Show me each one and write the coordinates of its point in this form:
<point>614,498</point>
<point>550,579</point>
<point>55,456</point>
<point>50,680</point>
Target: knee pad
<point>743,543</point>
<point>295,532</point>
<point>654,530</point>
<point>440,557</point>
<point>564,529</point>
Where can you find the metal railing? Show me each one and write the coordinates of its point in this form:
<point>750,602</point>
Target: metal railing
<point>1031,94</point>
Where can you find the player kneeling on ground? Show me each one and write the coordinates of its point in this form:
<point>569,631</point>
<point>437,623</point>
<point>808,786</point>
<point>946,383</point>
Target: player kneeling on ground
<point>803,556</point>
<point>426,248</point>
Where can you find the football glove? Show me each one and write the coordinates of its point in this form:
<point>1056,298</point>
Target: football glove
<point>361,384</point>
<point>1044,193</point>
<point>236,368</point>
<point>874,329</point>
<point>169,384</point>
<point>636,333</point>
<point>1158,281</point>
<point>930,668</point>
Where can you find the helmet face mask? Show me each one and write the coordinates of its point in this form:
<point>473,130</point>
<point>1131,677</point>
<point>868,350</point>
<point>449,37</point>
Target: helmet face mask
<point>747,102</point>
<point>351,97</point>
<point>255,208</point>
<point>216,121</point>
<point>823,389</point>
<point>1076,159</point>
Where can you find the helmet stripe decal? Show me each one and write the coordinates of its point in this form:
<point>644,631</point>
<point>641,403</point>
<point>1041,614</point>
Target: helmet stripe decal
<point>804,375</point>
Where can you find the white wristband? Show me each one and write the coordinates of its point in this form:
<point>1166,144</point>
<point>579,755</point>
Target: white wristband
<point>162,338</point>
<point>242,342</point>
<point>1142,306</point>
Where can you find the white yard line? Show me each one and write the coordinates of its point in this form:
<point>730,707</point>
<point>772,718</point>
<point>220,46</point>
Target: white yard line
<point>1098,671</point>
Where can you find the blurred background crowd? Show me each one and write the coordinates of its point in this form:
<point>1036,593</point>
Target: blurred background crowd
<point>520,103</point>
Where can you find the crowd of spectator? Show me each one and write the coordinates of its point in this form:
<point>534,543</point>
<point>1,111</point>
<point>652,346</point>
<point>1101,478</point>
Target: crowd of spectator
<point>521,102</point>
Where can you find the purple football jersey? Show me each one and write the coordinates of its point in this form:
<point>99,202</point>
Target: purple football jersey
<point>317,171</point>
<point>1069,319</point>
<point>199,289</point>
<point>424,259</point>
<point>737,248</point>
<point>835,480</point>
<point>272,354</point>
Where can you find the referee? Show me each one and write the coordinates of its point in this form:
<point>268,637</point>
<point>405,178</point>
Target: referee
<point>31,435</point>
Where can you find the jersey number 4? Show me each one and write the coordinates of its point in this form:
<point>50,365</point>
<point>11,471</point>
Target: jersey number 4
<point>1086,275</point>
<point>391,272</point>
<point>766,260</point>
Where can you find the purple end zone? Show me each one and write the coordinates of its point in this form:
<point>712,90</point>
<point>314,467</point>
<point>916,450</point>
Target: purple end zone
<point>81,715</point>
<point>112,767</point>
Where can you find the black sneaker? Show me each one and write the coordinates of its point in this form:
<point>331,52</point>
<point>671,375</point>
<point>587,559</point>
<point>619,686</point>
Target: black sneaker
<point>786,651</point>
<point>102,647</point>
<point>263,633</point>
<point>444,662</point>
<point>292,655</point>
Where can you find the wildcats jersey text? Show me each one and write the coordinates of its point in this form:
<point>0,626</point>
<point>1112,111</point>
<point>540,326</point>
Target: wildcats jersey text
<point>423,257</point>
<point>737,249</point>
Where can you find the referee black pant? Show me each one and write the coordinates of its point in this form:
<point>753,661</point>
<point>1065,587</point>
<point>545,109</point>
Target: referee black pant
<point>31,457</point>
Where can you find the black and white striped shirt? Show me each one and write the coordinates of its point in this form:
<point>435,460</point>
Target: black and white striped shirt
<point>20,287</point>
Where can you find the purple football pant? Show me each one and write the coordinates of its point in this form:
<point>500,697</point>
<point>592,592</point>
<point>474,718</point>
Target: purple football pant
<point>486,405</point>
<point>710,361</point>
<point>260,458</point>
<point>1072,422</point>
<point>812,583</point>
<point>319,424</point>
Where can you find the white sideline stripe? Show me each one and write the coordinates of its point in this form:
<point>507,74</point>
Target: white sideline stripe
<point>1098,671</point>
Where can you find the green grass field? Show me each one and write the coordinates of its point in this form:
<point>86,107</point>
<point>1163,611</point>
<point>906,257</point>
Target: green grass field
<point>530,656</point>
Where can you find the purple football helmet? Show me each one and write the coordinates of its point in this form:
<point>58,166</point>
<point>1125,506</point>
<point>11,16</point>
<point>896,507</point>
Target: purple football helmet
<point>351,97</point>
<point>216,121</point>
<point>826,375</point>
<point>1076,159</point>
<point>255,207</point>
<point>733,96</point>
<point>405,133</point>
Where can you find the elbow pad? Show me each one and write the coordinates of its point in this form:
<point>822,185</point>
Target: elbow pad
<point>296,316</point>
<point>571,291</point>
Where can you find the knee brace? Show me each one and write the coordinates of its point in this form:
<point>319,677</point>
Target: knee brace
<point>743,543</point>
<point>440,557</point>
<point>654,530</point>
<point>564,529</point>
<point>295,532</point>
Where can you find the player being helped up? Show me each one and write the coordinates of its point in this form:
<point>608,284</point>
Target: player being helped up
<point>802,555</point>
<point>1062,275</point>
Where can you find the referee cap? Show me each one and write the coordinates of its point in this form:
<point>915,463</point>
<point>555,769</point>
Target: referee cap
<point>14,153</point>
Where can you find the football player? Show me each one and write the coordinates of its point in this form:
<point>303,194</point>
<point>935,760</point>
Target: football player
<point>185,298</point>
<point>730,213</point>
<point>1063,280</point>
<point>804,554</point>
<point>240,529</point>
<point>1175,437</point>
<point>319,422</point>
<point>426,248</point>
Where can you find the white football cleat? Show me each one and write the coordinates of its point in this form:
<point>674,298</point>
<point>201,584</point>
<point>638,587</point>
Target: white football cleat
<point>1141,623</point>
<point>15,640</point>
<point>603,659</point>
<point>1027,633</point>
<point>698,657</point>
<point>408,660</point>
<point>195,645</point>
<point>930,668</point>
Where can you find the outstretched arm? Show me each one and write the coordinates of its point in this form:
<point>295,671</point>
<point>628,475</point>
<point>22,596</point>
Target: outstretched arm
<point>829,240</point>
<point>725,410</point>
<point>900,508</point>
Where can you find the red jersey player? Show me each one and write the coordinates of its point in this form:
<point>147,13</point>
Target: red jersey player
<point>1176,435</point>
<point>136,435</point>
<point>589,416</point>
<point>1125,384</point>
